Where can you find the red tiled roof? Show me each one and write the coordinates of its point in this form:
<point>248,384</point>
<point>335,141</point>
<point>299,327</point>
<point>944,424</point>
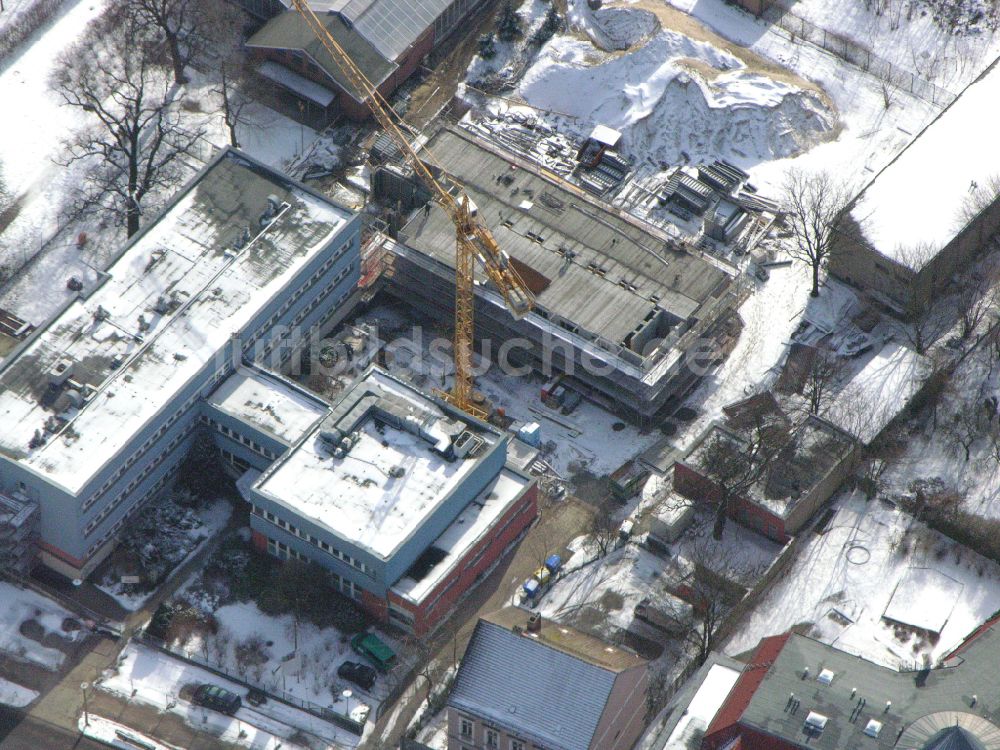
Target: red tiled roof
<point>973,636</point>
<point>747,683</point>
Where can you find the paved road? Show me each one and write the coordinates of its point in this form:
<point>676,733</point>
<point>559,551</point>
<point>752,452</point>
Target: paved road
<point>558,524</point>
<point>34,734</point>
<point>54,716</point>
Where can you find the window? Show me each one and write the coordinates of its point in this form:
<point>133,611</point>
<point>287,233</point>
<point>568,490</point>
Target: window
<point>466,729</point>
<point>492,738</point>
<point>516,745</point>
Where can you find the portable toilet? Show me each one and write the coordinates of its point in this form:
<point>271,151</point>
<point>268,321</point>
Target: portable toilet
<point>531,587</point>
<point>553,563</point>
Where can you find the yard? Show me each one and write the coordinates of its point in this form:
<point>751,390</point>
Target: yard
<point>275,625</point>
<point>35,630</point>
<point>872,562</point>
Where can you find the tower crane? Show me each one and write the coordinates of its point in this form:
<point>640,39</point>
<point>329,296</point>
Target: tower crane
<point>473,240</point>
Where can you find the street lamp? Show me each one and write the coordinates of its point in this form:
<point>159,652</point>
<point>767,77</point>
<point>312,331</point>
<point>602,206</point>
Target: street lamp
<point>86,713</point>
<point>346,695</point>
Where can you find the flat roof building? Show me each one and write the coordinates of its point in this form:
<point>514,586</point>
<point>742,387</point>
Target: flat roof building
<point>930,211</point>
<point>796,692</point>
<point>618,305</point>
<point>101,402</point>
<point>799,473</point>
<point>402,497</point>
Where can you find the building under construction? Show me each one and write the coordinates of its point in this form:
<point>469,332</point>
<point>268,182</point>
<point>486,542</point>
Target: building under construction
<point>629,315</point>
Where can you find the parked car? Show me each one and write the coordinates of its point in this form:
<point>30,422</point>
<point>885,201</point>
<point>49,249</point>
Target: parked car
<point>217,698</point>
<point>360,674</point>
<point>374,650</point>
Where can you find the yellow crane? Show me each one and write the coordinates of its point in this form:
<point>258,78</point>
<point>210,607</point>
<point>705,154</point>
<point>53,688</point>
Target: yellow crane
<point>473,239</point>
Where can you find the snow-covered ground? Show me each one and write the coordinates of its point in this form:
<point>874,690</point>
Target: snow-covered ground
<point>676,100</point>
<point>33,143</point>
<point>843,580</point>
<point>12,694</point>
<point>117,735</point>
<point>151,677</point>
<point>909,37</point>
<point>308,672</point>
<point>24,605</point>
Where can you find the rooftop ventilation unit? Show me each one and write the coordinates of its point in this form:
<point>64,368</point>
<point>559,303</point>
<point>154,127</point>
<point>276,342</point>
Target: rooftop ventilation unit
<point>466,444</point>
<point>873,728</point>
<point>274,205</point>
<point>825,677</point>
<point>60,372</point>
<point>815,723</point>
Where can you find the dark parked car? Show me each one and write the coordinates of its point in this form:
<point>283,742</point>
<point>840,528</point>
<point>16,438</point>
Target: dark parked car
<point>215,697</point>
<point>360,674</point>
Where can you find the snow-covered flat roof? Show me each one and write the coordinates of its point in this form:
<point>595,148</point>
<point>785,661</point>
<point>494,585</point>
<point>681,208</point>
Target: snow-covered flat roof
<point>703,706</point>
<point>913,207</point>
<point>268,403</point>
<point>879,391</point>
<point>464,532</point>
<point>169,304</point>
<point>924,598</point>
<point>391,478</point>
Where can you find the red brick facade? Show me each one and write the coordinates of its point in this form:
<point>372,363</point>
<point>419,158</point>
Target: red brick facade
<point>346,104</point>
<point>479,559</point>
<point>699,488</point>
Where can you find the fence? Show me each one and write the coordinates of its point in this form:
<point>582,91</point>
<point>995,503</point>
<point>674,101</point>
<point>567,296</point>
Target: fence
<point>323,712</point>
<point>857,55</point>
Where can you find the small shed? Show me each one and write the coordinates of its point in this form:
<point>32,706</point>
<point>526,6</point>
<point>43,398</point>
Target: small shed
<point>671,518</point>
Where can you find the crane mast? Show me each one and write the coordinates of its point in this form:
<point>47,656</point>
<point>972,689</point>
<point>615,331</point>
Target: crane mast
<point>473,240</point>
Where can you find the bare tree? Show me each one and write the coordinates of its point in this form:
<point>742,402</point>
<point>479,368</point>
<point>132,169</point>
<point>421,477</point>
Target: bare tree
<point>822,376</point>
<point>925,329</point>
<point>973,304</point>
<point>734,463</point>
<point>222,28</point>
<point>604,529</point>
<point>965,427</point>
<point>135,136</point>
<point>813,202</point>
<point>175,23</point>
<point>981,195</point>
<point>712,592</point>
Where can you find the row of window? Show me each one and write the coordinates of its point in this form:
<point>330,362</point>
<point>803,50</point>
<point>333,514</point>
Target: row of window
<point>124,493</point>
<point>493,535</point>
<point>157,486</point>
<point>491,736</point>
<point>278,340</point>
<point>270,322</point>
<point>232,434</point>
<point>139,452</point>
<point>281,523</point>
<point>235,460</point>
<point>283,552</point>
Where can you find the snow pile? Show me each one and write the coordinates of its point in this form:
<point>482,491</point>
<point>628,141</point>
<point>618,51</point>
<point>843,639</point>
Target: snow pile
<point>19,607</point>
<point>12,694</point>
<point>675,100</point>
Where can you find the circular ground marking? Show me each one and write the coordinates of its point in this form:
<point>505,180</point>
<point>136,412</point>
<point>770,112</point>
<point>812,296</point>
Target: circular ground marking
<point>858,554</point>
